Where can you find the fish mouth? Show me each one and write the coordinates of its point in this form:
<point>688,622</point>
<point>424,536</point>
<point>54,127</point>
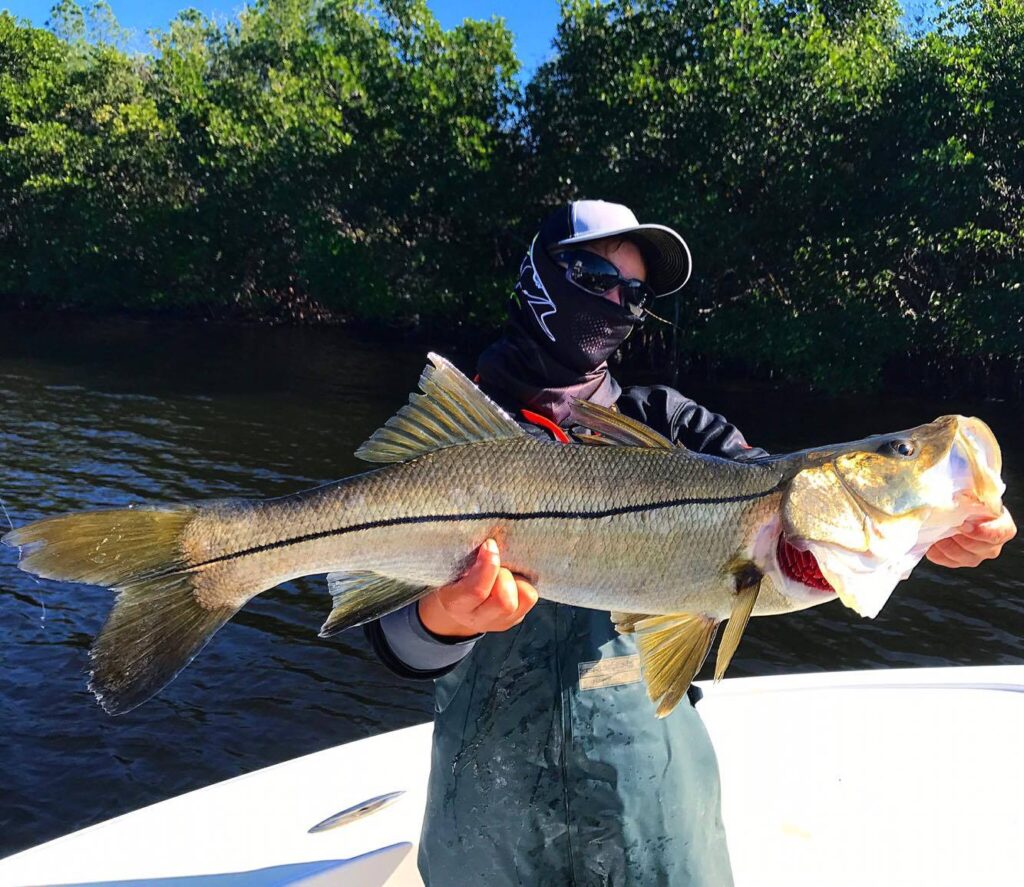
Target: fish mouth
<point>800,566</point>
<point>976,446</point>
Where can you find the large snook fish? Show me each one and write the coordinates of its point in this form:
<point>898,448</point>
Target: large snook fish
<point>672,542</point>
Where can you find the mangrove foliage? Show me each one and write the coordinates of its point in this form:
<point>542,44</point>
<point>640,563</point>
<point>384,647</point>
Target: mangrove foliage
<point>852,188</point>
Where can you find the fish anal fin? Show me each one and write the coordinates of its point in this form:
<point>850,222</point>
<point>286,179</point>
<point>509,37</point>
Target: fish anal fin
<point>363,596</point>
<point>748,584</point>
<point>616,427</point>
<point>450,411</point>
<point>672,650</point>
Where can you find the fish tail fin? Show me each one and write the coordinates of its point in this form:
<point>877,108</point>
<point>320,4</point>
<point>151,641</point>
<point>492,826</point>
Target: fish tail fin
<point>165,611</point>
<point>107,547</point>
<point>156,628</point>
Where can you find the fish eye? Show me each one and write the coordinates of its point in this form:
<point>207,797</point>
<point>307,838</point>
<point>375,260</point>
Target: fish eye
<point>903,448</point>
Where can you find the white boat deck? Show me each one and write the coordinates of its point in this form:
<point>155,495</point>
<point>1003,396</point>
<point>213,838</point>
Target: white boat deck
<point>867,779</point>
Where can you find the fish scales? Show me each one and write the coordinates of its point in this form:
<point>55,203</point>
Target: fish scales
<point>644,524</point>
<point>673,543</point>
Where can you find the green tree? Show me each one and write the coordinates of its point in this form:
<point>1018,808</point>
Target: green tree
<point>852,192</point>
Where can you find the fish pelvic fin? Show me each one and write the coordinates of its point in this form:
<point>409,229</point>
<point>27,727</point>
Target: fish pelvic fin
<point>161,617</point>
<point>672,650</point>
<point>363,596</point>
<point>450,411</point>
<point>616,427</point>
<point>625,623</point>
<point>748,584</point>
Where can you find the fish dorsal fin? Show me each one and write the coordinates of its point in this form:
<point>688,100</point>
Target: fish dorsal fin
<point>672,650</point>
<point>450,411</point>
<point>618,428</point>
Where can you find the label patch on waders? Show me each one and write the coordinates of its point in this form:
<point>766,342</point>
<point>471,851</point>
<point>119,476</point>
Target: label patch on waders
<point>610,672</point>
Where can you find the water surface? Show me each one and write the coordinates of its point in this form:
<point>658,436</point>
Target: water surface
<point>107,413</point>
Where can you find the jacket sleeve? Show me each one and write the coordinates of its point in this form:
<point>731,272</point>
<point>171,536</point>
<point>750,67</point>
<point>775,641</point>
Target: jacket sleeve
<point>686,422</point>
<point>406,647</point>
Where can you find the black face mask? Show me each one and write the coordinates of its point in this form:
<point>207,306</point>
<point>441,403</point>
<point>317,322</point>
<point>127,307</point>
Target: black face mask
<point>576,328</point>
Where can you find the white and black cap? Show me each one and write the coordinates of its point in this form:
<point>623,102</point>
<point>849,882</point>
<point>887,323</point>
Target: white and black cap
<point>665,253</point>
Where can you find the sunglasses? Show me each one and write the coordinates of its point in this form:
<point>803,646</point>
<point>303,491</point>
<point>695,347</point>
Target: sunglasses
<point>596,275</point>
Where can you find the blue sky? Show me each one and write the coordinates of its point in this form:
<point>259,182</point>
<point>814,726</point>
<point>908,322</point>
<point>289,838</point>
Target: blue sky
<point>532,21</point>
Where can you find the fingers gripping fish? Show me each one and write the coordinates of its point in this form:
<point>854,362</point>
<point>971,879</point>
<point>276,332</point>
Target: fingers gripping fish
<point>673,543</point>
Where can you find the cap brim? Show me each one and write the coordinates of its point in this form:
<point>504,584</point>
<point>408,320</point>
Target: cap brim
<point>666,254</point>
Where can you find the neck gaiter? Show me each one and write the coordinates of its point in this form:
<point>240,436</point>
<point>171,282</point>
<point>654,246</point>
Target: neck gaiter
<point>556,343</point>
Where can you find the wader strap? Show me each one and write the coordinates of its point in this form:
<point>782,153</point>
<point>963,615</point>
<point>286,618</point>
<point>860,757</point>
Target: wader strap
<point>545,423</point>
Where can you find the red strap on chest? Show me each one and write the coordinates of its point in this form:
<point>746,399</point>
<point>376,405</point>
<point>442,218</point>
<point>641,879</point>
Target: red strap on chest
<point>545,423</point>
<point>539,420</point>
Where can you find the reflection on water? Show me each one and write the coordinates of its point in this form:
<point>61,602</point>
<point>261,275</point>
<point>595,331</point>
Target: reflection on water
<point>112,412</point>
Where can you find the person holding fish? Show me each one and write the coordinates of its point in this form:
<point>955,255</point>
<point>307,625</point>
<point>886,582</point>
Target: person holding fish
<point>547,768</point>
<point>567,749</point>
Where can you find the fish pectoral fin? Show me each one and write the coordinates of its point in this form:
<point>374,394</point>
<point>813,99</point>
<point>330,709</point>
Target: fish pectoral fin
<point>364,596</point>
<point>748,584</point>
<point>450,411</point>
<point>625,623</point>
<point>672,650</point>
<point>616,427</point>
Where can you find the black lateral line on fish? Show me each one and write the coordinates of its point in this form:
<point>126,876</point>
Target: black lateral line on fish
<point>481,515</point>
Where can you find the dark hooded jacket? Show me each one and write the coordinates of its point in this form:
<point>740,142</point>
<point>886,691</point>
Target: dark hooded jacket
<point>548,767</point>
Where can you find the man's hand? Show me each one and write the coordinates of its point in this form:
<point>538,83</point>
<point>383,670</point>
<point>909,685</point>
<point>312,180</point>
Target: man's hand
<point>487,598</point>
<point>974,543</point>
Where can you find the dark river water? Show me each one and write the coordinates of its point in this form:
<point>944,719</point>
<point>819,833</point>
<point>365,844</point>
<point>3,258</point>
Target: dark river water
<point>107,413</point>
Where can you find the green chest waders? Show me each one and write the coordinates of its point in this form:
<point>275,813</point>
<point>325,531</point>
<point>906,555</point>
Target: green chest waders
<point>542,777</point>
